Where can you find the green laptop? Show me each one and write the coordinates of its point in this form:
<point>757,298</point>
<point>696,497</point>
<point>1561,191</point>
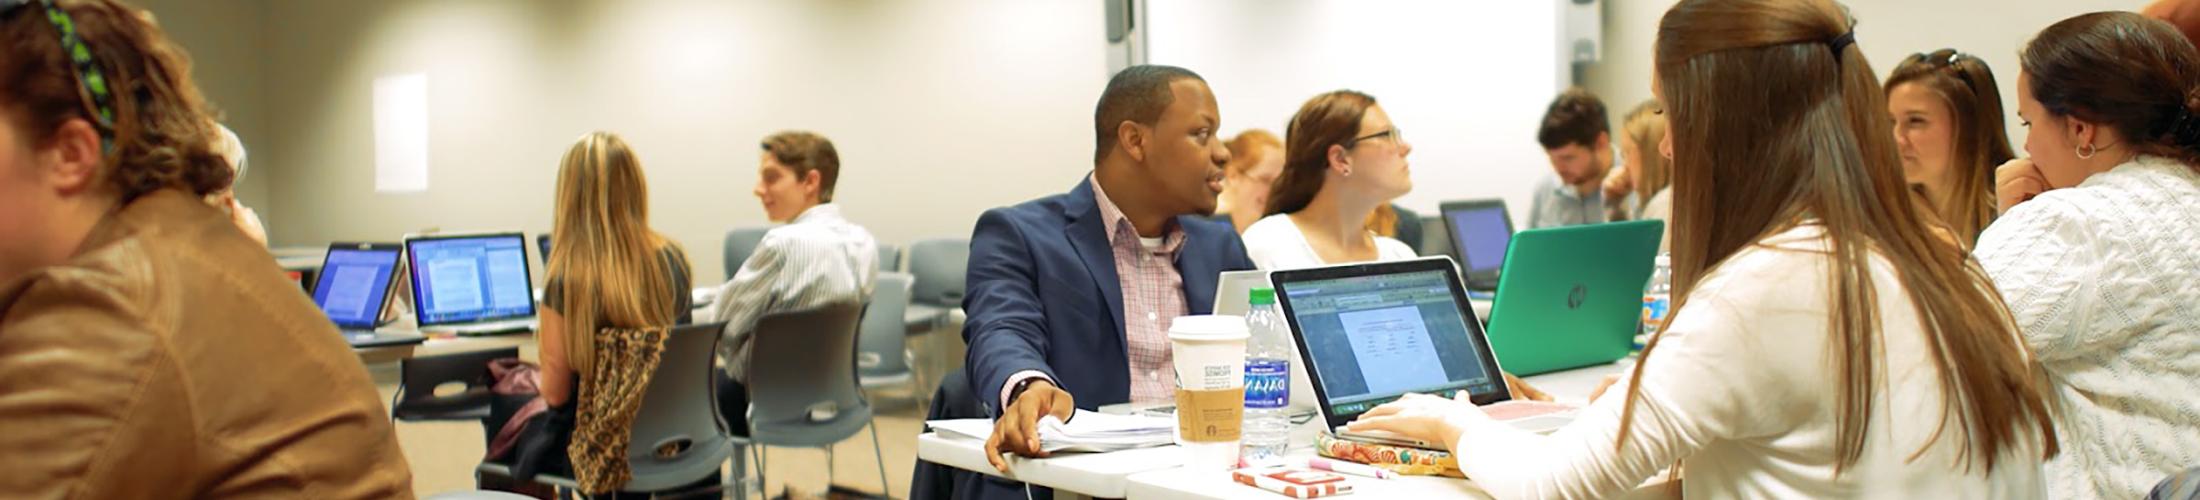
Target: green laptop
<point>1571,296</point>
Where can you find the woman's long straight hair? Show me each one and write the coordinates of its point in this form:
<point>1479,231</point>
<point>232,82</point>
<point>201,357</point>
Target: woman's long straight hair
<point>606,256</point>
<point>1775,124</point>
<point>1967,87</point>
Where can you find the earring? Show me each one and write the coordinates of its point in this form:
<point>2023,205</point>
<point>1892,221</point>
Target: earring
<point>1347,172</point>
<point>2086,152</point>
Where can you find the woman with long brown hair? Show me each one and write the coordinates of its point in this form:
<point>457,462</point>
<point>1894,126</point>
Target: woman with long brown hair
<point>2095,247</point>
<point>1343,162</point>
<point>1948,128</point>
<point>1834,346</point>
<point>149,349</point>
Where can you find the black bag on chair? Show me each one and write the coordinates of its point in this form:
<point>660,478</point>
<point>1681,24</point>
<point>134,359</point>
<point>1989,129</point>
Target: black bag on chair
<point>542,443</point>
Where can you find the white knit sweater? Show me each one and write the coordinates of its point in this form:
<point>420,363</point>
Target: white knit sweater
<point>2104,280</point>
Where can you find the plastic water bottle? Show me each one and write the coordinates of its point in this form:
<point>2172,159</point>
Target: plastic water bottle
<point>1657,299</point>
<point>1267,428</point>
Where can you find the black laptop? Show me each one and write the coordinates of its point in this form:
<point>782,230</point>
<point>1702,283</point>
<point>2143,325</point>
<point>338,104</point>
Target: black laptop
<point>1480,232</point>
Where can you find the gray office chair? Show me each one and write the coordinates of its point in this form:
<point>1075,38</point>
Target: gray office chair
<point>882,340</point>
<point>739,244</point>
<point>802,384</point>
<point>679,414</point>
<point>889,258</point>
<point>939,266</point>
<point>418,377</point>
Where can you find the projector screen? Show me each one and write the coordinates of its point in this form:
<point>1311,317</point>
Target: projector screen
<point>1466,81</point>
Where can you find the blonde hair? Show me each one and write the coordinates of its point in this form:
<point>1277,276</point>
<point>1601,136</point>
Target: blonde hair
<point>1646,126</point>
<point>607,258</point>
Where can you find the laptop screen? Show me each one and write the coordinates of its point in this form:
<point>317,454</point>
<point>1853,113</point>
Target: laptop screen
<point>1372,336</point>
<point>470,279</point>
<point>354,282</point>
<point>1480,232</point>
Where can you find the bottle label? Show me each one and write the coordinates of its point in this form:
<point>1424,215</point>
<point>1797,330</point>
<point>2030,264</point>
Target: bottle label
<point>1267,383</point>
<point>1654,308</point>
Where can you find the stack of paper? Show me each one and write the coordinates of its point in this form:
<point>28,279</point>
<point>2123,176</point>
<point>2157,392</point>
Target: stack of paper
<point>1085,432</point>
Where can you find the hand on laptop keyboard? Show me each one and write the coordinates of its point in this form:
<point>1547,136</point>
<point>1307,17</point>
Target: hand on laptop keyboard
<point>1522,391</point>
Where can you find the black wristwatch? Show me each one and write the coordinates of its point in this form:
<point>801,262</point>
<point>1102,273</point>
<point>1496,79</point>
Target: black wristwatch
<point>1018,389</point>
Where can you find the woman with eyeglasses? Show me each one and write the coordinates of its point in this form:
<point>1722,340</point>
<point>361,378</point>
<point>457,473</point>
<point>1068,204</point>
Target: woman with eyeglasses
<point>1343,160</point>
<point>149,349</point>
<point>1948,125</point>
<point>2096,249</point>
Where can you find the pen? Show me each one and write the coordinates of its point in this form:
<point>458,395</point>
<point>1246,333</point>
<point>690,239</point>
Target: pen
<point>1343,467</point>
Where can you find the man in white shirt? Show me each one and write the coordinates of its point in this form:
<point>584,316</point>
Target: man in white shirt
<point>1576,134</point>
<point>817,258</point>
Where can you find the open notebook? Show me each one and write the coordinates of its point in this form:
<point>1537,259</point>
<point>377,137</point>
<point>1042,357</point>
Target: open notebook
<point>1086,431</point>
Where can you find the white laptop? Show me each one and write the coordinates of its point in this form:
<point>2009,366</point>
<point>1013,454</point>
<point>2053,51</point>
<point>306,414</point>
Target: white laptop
<point>1374,332</point>
<point>478,284</point>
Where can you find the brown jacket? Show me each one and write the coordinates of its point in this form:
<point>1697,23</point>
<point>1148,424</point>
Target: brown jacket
<point>171,359</point>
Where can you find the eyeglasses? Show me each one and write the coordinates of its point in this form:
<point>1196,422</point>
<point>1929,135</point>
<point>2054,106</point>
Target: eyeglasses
<point>91,81</point>
<point>1396,137</point>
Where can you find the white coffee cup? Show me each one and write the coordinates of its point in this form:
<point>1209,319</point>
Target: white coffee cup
<point>1209,354</point>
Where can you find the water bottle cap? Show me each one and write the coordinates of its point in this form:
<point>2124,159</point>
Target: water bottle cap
<point>1264,296</point>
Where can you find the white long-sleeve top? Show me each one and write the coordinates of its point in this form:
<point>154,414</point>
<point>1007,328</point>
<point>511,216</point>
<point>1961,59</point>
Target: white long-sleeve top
<point>818,259</point>
<point>2104,280</point>
<point>1743,389</point>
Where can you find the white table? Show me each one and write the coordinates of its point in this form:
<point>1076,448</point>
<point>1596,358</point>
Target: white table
<point>1103,475</point>
<point>1155,472</point>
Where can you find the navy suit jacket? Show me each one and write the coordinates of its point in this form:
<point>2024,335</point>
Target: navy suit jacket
<point>1043,295</point>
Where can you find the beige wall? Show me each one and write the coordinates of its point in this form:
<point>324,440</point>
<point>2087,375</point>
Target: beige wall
<point>1887,30</point>
<point>940,109</point>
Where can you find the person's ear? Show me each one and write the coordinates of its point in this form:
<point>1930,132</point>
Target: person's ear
<point>1604,143</point>
<point>1665,146</point>
<point>1131,137</point>
<point>71,162</point>
<point>813,184</point>
<point>1340,160</point>
<point>2081,132</point>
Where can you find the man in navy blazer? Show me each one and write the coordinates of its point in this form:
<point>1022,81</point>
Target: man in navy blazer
<point>1046,302</point>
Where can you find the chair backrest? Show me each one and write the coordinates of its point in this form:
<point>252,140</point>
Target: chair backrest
<point>680,410</point>
<point>739,244</point>
<point>939,266</point>
<point>418,377</point>
<point>1435,238</point>
<point>889,257</point>
<point>883,335</point>
<point>802,378</point>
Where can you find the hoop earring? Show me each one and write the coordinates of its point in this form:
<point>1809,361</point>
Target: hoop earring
<point>2086,152</point>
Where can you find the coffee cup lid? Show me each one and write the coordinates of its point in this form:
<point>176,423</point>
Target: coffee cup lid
<point>1208,328</point>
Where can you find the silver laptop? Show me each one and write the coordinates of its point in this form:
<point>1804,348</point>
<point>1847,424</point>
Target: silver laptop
<point>478,284</point>
<point>1374,332</point>
<point>353,289</point>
